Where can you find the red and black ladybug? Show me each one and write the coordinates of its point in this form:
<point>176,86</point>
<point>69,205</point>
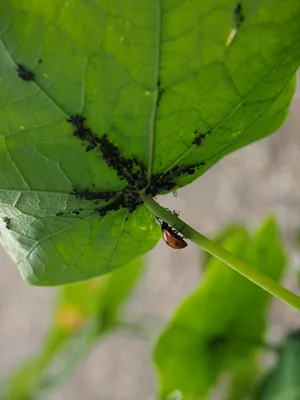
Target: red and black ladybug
<point>171,236</point>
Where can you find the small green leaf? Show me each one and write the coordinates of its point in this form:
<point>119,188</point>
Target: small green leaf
<point>283,383</point>
<point>84,312</point>
<point>172,85</point>
<point>219,327</point>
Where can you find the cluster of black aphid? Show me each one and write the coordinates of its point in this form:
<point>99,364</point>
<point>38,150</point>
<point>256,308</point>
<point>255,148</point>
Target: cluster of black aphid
<point>132,170</point>
<point>83,133</point>
<point>88,194</point>
<point>126,199</point>
<point>165,182</point>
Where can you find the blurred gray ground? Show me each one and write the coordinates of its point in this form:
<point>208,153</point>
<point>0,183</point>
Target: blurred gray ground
<point>248,185</point>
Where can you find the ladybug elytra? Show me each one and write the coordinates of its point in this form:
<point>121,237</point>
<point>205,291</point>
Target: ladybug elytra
<point>171,236</point>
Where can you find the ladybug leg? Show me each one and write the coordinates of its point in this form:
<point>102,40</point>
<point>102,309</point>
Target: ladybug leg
<point>179,233</point>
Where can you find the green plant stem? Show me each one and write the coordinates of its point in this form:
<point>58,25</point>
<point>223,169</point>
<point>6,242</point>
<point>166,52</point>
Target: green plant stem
<point>219,252</point>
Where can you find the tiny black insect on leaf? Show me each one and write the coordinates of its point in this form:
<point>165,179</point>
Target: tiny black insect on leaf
<point>159,96</point>
<point>7,222</point>
<point>160,93</point>
<point>239,15</point>
<point>24,73</point>
<point>200,137</point>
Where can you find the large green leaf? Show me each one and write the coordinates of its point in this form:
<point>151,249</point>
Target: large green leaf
<point>283,383</point>
<point>149,75</point>
<point>219,326</point>
<point>84,312</point>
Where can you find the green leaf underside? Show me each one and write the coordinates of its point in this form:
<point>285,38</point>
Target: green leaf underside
<point>84,312</point>
<point>284,381</point>
<point>104,59</point>
<point>218,328</point>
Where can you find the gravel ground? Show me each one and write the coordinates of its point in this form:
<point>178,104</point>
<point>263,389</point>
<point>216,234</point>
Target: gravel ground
<point>260,179</point>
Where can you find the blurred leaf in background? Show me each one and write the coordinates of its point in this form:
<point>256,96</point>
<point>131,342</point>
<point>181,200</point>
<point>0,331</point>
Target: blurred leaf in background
<point>283,383</point>
<point>217,330</point>
<point>83,313</point>
<point>297,238</point>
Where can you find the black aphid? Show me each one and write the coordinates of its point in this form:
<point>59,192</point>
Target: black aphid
<point>200,137</point>
<point>160,93</point>
<point>239,17</point>
<point>7,222</point>
<point>24,73</point>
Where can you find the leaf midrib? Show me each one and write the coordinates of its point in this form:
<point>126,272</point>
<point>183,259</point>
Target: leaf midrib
<point>155,98</point>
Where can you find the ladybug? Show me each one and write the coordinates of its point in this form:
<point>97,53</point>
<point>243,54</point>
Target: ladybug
<point>171,236</point>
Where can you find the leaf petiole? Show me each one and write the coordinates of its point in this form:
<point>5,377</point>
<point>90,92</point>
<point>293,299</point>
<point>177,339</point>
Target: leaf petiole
<point>219,252</point>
